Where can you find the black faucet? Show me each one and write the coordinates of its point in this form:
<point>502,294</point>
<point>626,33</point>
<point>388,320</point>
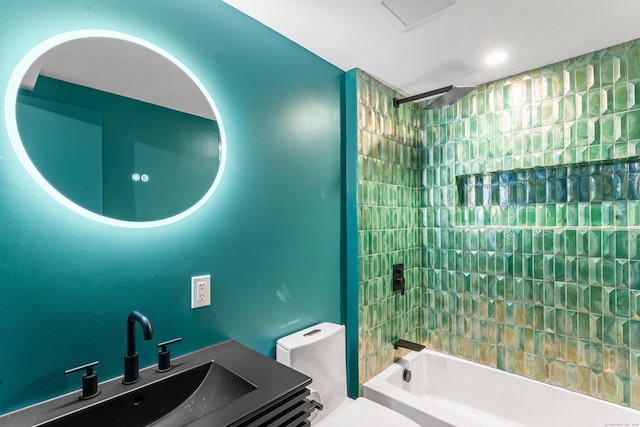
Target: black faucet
<point>131,370</point>
<point>408,345</point>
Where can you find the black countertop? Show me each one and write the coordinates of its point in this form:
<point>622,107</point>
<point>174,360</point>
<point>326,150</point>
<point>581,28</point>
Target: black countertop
<point>273,383</point>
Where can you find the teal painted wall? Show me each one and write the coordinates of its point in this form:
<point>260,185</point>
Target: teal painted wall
<point>270,236</point>
<point>49,132</point>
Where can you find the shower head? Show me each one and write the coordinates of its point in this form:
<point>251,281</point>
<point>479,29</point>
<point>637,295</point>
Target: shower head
<point>456,93</point>
<point>449,95</point>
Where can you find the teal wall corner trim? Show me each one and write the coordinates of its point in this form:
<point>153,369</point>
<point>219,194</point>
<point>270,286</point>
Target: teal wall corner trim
<point>351,230</point>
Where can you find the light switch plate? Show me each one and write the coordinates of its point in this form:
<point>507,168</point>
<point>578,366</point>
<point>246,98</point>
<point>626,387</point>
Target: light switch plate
<point>200,291</point>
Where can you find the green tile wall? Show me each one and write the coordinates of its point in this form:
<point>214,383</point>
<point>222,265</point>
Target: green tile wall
<point>389,229</point>
<point>548,288</point>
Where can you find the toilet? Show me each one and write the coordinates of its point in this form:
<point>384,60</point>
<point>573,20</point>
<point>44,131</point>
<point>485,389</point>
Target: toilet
<point>320,353</point>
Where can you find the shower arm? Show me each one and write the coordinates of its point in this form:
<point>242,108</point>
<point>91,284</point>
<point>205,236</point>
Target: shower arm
<point>397,102</point>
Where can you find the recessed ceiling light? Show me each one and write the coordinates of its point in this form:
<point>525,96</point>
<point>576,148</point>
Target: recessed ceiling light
<point>496,57</point>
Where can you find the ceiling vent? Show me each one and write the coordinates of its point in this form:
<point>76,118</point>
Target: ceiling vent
<point>410,12</point>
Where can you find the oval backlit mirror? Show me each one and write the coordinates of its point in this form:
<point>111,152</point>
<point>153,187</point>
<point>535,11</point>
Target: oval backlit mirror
<point>115,128</point>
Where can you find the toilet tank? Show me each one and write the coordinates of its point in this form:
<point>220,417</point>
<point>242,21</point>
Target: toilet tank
<point>318,352</point>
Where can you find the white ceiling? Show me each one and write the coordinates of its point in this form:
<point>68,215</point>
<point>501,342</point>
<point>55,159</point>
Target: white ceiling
<point>448,47</point>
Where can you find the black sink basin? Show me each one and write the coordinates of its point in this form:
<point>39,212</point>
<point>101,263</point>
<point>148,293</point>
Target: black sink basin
<point>223,385</point>
<point>171,401</point>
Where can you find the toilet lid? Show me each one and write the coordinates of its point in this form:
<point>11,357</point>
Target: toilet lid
<point>366,413</point>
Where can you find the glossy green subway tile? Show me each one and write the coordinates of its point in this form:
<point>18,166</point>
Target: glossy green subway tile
<point>622,272</point>
<point>595,271</point>
<point>572,296</point>
<point>609,330</point>
<point>571,269</point>
<point>634,305</point>
<point>583,269</point>
<point>584,297</point>
<point>622,244</point>
<point>608,301</point>
<point>583,325</point>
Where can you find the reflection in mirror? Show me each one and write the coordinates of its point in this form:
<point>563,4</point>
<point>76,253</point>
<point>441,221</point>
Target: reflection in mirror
<point>115,128</point>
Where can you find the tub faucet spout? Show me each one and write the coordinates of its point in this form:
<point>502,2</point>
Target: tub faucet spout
<point>131,369</point>
<point>408,345</point>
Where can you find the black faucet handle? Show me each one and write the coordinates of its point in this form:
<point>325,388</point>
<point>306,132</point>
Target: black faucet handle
<point>166,343</point>
<point>398,278</point>
<point>89,380</point>
<point>164,355</point>
<point>88,367</point>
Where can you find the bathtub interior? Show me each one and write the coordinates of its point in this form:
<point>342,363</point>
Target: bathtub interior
<point>464,393</point>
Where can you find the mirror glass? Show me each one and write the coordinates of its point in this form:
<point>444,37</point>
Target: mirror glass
<point>115,128</point>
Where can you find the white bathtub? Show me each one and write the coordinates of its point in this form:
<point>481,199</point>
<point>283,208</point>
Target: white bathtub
<point>449,391</point>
